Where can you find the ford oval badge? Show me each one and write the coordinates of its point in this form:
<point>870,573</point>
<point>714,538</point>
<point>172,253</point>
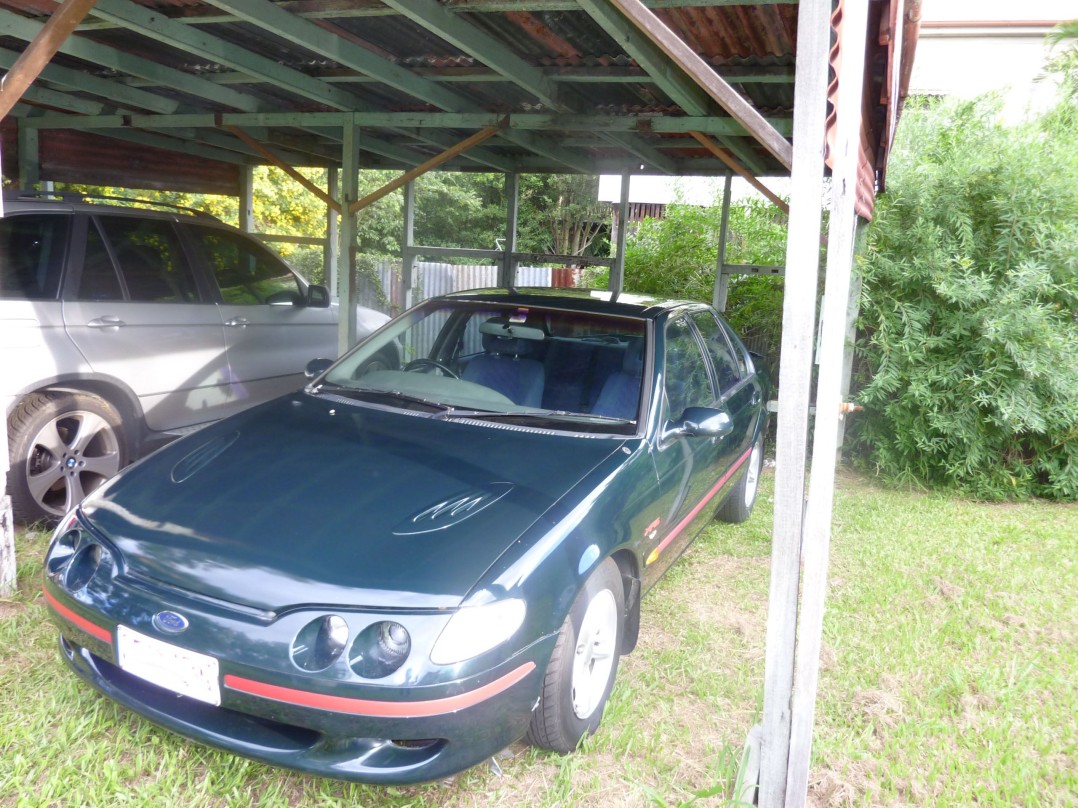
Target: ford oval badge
<point>170,622</point>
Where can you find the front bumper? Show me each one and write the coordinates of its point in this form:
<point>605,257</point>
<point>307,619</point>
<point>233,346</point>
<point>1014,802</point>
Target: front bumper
<point>349,732</point>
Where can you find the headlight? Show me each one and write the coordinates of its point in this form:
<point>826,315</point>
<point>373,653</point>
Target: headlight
<point>476,629</point>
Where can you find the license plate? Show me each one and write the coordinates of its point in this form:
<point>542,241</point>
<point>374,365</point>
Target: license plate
<point>177,669</point>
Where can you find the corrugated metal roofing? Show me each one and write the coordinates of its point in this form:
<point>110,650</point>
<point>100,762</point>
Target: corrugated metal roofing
<point>548,57</point>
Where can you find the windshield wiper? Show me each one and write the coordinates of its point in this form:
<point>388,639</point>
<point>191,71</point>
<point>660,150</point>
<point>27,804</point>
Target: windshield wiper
<point>554,415</point>
<point>369,393</point>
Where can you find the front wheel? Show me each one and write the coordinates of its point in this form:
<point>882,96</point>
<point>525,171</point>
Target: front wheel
<point>580,674</point>
<point>62,446</point>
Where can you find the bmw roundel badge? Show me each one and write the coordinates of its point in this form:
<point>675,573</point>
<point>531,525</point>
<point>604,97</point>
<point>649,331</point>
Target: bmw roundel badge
<point>170,622</point>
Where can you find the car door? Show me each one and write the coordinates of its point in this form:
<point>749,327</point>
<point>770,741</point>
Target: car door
<point>688,467</point>
<point>737,391</point>
<point>270,333</point>
<point>136,311</point>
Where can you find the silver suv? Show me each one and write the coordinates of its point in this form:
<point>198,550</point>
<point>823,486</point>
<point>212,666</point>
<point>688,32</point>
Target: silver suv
<point>122,327</point>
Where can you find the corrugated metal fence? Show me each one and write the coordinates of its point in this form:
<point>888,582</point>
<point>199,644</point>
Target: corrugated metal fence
<point>433,279</point>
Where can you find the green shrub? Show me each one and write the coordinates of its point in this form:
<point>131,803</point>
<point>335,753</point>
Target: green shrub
<point>969,332</point>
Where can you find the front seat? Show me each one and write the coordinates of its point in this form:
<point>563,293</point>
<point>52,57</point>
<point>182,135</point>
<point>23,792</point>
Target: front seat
<point>505,367</point>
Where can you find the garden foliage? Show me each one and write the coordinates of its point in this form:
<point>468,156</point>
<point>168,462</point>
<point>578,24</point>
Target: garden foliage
<point>969,341</point>
<point>676,257</point>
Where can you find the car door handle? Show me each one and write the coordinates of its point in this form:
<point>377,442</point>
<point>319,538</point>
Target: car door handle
<point>237,322</point>
<point>108,321</point>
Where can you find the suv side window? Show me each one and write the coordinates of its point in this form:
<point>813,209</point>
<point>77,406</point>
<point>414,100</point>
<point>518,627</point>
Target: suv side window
<point>151,259</point>
<point>688,383</point>
<point>246,273</point>
<point>722,355</point>
<point>32,251</point>
<point>98,280</point>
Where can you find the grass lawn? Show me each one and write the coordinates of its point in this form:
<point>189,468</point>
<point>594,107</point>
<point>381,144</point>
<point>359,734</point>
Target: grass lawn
<point>950,676</point>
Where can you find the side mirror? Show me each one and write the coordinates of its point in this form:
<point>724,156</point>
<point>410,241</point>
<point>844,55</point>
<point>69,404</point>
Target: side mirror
<point>317,296</point>
<point>704,422</point>
<point>316,367</point>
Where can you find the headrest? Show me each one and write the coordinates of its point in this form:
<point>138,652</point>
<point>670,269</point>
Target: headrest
<point>633,363</point>
<point>500,327</point>
<point>505,346</point>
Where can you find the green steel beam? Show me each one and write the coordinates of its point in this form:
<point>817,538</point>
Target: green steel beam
<point>82,48</point>
<point>437,19</point>
<point>644,151</point>
<point>668,76</point>
<point>561,75</point>
<point>306,34</point>
<point>159,27</point>
<point>118,93</point>
<point>519,124</point>
<point>349,9</point>
<point>51,98</point>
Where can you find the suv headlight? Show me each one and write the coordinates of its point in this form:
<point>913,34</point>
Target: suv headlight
<point>473,630</point>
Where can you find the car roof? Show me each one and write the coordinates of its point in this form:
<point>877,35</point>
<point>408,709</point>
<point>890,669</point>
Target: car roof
<point>68,202</point>
<point>583,300</point>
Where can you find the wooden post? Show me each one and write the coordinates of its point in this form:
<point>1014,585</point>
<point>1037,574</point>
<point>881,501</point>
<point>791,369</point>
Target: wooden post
<point>247,199</point>
<point>333,231</point>
<point>7,517</point>
<point>408,253</point>
<point>817,528</point>
<point>722,277</point>
<point>29,157</point>
<point>346,260</point>
<point>795,376</point>
<point>508,272</point>
<point>617,271</point>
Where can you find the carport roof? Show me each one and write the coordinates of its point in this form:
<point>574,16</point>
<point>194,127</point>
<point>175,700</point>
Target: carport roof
<point>148,89</point>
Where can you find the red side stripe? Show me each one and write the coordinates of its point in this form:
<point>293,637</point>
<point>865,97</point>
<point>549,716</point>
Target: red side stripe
<point>699,507</point>
<point>380,709</point>
<point>92,629</point>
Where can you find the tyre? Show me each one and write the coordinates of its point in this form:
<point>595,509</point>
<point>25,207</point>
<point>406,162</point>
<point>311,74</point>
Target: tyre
<point>62,446</point>
<point>582,667</point>
<point>738,505</point>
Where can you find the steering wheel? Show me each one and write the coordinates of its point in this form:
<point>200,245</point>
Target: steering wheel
<point>423,362</point>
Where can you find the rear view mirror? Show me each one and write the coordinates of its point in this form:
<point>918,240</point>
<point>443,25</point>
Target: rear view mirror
<point>317,296</point>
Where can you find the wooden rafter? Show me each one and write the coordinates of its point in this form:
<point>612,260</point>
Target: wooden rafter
<point>741,171</point>
<point>40,51</point>
<point>430,165</point>
<point>285,167</point>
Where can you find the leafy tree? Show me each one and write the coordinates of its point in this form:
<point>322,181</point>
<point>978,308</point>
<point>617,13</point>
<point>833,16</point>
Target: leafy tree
<point>676,257</point>
<point>561,214</point>
<point>969,333</point>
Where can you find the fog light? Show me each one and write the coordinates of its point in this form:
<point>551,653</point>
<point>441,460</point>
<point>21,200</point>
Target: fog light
<point>380,649</point>
<point>319,643</point>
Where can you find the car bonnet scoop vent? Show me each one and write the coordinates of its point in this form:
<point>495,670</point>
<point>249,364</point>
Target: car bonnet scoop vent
<point>195,461</point>
<point>453,510</point>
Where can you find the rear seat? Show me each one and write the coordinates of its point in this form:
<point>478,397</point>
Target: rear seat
<point>576,371</point>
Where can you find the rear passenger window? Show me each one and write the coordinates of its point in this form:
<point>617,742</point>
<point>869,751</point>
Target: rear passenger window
<point>687,380</point>
<point>718,347</point>
<point>151,260</point>
<point>31,256</point>
<point>246,273</point>
<point>99,280</point>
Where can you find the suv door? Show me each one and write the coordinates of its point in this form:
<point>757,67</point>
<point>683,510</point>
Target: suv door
<point>270,332</point>
<point>135,310</point>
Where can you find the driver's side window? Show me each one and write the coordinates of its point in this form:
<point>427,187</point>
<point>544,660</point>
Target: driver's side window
<point>687,381</point>
<point>246,274</point>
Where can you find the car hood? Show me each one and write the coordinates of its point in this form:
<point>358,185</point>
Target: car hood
<point>309,501</point>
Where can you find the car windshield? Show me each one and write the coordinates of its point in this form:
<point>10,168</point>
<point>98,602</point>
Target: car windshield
<point>548,367</point>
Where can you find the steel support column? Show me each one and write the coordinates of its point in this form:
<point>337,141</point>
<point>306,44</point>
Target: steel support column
<point>408,252</point>
<point>331,249</point>
<point>247,199</point>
